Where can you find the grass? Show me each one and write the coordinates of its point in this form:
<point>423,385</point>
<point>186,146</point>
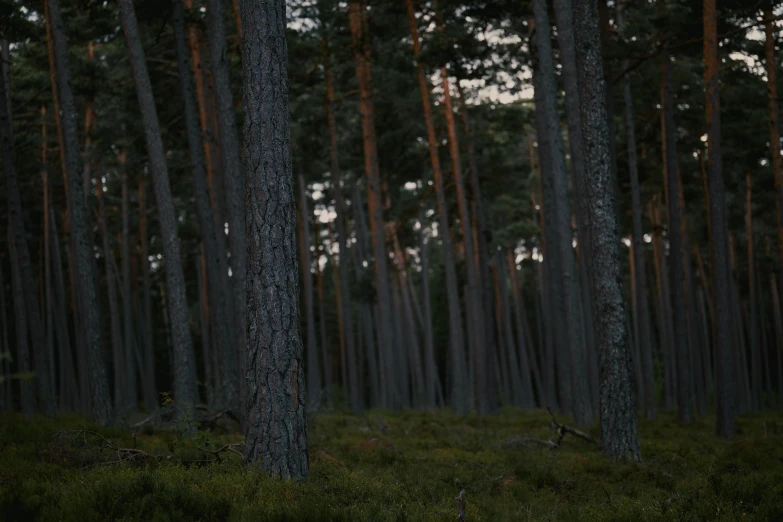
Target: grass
<point>396,467</point>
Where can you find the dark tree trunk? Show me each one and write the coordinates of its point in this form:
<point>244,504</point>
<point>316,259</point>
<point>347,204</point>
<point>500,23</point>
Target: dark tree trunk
<point>619,437</point>
<point>431,371</point>
<point>225,396</point>
<point>121,386</point>
<point>127,297</point>
<point>97,387</point>
<point>20,261</point>
<point>676,250</point>
<point>641,306</point>
<point>184,363</point>
<point>312,372</point>
<point>276,433</point>
<point>753,322</point>
<point>456,329</point>
<point>7,402</point>
<point>360,36</point>
<point>26,389</point>
<point>721,278</point>
<point>233,177</point>
<point>150,390</point>
<point>774,130</point>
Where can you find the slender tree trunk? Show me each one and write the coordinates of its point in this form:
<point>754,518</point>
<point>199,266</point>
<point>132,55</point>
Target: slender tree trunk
<point>184,361</point>
<point>328,366</point>
<point>431,370</point>
<point>342,234</point>
<point>7,398</point>
<point>753,329</point>
<point>27,392</point>
<point>718,225</point>
<point>233,177</point>
<point>641,300</point>
<point>456,335</point>
<point>276,433</point>
<point>676,251</point>
<point>204,326</point>
<point>779,336</point>
<point>121,385</point>
<point>313,372</point>
<point>360,36</point>
<point>226,394</point>
<point>150,389</point>
<point>528,365</point>
<point>619,437</point>
<point>127,305</point>
<point>21,262</point>
<point>774,130</point>
<point>48,309</point>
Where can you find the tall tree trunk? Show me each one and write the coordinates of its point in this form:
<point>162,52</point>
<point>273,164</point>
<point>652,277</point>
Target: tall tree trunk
<point>184,361</point>
<point>48,308</point>
<point>121,385</point>
<point>778,318</point>
<point>528,364</point>
<point>342,234</point>
<point>360,36</point>
<point>313,372</point>
<point>204,327</point>
<point>718,226</point>
<point>276,433</point>
<point>127,306</point>
<point>571,362</point>
<point>456,330</point>
<point>226,392</point>
<point>98,387</point>
<point>7,403</point>
<point>676,250</point>
<point>233,177</point>
<point>641,303</point>
<point>431,370</point>
<point>483,236</point>
<point>21,258</point>
<point>774,130</point>
<point>753,330</point>
<point>27,391</point>
<point>150,389</point>
<point>619,437</point>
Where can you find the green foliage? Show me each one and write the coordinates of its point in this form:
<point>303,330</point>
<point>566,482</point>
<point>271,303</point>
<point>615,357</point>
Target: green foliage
<point>406,466</point>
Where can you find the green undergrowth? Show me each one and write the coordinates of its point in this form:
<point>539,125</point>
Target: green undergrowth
<point>395,466</point>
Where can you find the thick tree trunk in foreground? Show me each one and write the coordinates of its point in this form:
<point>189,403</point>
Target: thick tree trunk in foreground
<point>184,362</point>
<point>276,432</point>
<point>619,438</point>
<point>456,335</point>
<point>721,278</point>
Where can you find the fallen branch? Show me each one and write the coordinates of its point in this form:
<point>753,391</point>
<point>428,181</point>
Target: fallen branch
<point>562,429</point>
<point>462,514</point>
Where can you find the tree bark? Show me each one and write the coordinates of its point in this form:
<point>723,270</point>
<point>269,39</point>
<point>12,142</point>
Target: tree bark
<point>184,361</point>
<point>641,303</point>
<point>21,262</point>
<point>226,394</point>
<point>7,398</point>
<point>27,391</point>
<point>360,37</point>
<point>721,280</point>
<point>151,390</point>
<point>456,329</point>
<point>127,297</point>
<point>753,329</point>
<point>774,130</point>
<point>233,177</point>
<point>276,432</point>
<point>619,437</point>
<point>676,250</point>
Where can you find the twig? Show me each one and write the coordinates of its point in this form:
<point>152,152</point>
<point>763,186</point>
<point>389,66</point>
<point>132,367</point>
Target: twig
<point>461,515</point>
<point>563,429</point>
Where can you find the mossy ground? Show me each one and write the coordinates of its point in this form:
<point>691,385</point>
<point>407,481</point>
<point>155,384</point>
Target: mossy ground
<point>403,466</point>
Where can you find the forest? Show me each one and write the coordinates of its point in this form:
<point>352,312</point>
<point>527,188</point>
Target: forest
<point>391,260</point>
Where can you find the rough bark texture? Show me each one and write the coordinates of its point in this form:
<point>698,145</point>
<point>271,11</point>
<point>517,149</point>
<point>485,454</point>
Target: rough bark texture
<point>226,394</point>
<point>79,218</point>
<point>725,426</point>
<point>184,362</point>
<point>619,438</point>
<point>361,46</point>
<point>641,303</point>
<point>276,432</point>
<point>233,177</point>
<point>676,249</point>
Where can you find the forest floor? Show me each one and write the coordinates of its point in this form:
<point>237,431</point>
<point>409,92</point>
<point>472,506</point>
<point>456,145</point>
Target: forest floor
<point>393,466</point>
